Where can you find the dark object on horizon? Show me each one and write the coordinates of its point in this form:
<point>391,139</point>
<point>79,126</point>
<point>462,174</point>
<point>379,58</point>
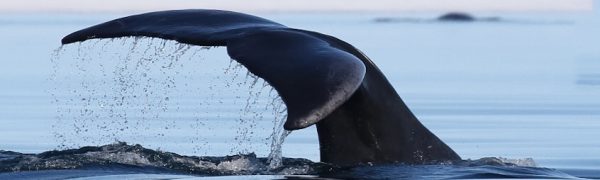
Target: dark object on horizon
<point>449,17</point>
<point>322,80</point>
<point>457,16</point>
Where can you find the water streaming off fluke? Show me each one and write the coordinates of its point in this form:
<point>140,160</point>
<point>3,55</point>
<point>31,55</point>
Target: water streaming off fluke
<point>150,91</point>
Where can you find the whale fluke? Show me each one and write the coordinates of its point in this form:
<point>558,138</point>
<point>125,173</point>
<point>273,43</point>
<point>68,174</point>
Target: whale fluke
<point>322,80</point>
<point>312,77</point>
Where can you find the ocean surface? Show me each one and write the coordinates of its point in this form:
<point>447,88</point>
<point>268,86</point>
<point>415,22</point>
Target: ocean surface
<point>524,88</point>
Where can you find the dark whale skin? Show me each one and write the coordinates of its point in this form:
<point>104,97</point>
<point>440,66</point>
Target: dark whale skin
<point>322,80</point>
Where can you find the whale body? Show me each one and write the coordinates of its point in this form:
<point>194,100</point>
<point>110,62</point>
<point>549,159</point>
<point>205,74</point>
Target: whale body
<point>322,80</point>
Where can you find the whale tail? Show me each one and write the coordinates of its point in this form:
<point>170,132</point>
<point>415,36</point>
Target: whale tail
<point>312,77</point>
<point>322,80</point>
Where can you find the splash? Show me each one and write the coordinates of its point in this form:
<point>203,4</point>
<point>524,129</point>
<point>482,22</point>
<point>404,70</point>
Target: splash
<point>525,162</point>
<point>499,161</point>
<point>165,95</point>
<point>123,159</point>
<point>120,155</point>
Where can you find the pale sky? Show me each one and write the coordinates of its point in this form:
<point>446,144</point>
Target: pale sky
<point>294,5</point>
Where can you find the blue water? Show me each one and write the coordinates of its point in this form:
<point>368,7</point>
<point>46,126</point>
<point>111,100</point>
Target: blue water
<point>524,87</point>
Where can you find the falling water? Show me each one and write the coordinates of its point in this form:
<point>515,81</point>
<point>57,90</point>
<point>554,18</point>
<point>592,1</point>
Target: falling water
<point>153,91</point>
<point>275,156</point>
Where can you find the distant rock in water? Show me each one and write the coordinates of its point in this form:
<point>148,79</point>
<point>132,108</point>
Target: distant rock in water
<point>448,17</point>
<point>457,16</point>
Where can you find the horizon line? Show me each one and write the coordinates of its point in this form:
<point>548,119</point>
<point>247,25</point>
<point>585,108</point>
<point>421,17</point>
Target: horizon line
<point>114,6</point>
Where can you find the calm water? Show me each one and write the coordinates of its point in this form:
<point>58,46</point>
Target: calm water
<point>524,87</point>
